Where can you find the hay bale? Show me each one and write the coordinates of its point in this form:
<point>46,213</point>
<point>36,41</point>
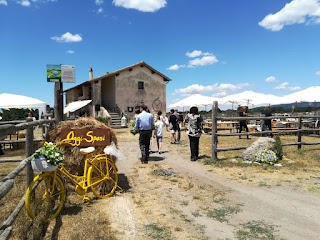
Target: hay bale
<point>73,159</point>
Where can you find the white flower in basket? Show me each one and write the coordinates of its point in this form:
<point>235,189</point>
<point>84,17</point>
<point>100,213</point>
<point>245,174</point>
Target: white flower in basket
<point>47,158</point>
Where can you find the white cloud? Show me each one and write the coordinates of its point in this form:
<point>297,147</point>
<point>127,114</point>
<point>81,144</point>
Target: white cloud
<point>100,10</point>
<point>282,86</point>
<point>192,89</point>
<point>141,5</point>
<point>3,2</point>
<point>295,12</point>
<point>99,2</point>
<point>174,67</point>
<point>294,88</point>
<point>285,86</point>
<point>195,53</point>
<point>219,95</point>
<point>43,1</point>
<point>204,61</point>
<point>68,37</point>
<point>318,73</point>
<point>270,79</point>
<point>25,3</point>
<point>217,89</point>
<point>70,51</point>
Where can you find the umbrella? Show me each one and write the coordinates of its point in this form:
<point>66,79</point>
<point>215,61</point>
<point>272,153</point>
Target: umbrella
<point>193,100</point>
<point>248,98</point>
<point>311,94</point>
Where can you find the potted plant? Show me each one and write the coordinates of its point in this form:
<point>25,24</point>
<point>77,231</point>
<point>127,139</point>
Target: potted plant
<point>47,158</point>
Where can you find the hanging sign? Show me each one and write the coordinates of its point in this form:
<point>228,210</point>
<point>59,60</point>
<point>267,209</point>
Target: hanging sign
<point>85,137</point>
<point>67,73</point>
<point>53,73</point>
<point>60,73</point>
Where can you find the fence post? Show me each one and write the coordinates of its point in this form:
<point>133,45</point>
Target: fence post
<point>44,127</point>
<point>58,101</point>
<point>29,150</point>
<point>214,130</point>
<point>299,132</point>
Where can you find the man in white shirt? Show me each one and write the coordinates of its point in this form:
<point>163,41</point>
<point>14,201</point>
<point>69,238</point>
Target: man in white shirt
<point>144,123</point>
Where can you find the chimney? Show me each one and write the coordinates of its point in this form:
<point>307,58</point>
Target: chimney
<point>90,74</point>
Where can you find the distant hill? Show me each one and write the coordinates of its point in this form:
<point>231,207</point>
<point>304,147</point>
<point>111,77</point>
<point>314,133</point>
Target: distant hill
<point>298,104</point>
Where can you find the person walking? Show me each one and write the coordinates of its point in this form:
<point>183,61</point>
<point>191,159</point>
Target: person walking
<point>243,123</point>
<point>158,133</point>
<point>267,125</point>
<point>166,122</point>
<point>1,151</point>
<point>176,113</point>
<point>194,131</point>
<point>144,124</point>
<point>173,122</point>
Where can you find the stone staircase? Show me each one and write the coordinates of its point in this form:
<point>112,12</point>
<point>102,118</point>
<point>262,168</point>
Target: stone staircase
<point>116,120</point>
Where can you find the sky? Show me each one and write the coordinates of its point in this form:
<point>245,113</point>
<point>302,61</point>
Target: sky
<point>210,47</point>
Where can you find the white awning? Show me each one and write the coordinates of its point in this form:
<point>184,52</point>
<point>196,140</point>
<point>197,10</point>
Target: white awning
<point>74,106</point>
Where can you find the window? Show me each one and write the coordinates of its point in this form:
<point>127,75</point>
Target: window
<point>140,85</point>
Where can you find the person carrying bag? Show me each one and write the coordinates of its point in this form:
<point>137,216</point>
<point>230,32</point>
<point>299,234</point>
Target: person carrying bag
<point>194,131</point>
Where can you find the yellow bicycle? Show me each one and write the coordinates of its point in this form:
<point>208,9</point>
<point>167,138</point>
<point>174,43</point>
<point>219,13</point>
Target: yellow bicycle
<point>46,194</point>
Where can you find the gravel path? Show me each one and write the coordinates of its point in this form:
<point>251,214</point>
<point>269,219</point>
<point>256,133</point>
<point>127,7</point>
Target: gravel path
<point>174,198</point>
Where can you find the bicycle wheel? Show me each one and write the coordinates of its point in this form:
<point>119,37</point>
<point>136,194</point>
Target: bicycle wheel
<point>45,197</point>
<point>102,177</point>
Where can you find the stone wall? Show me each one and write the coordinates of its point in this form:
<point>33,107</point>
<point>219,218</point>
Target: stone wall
<point>129,96</point>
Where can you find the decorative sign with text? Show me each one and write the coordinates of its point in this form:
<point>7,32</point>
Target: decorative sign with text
<point>85,137</point>
<point>60,73</point>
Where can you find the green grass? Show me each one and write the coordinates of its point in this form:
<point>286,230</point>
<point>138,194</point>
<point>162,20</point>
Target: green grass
<point>196,213</point>
<point>156,231</point>
<point>224,213</point>
<point>314,189</point>
<point>255,230</point>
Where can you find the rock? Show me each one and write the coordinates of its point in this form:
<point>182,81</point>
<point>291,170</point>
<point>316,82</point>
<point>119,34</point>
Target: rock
<point>259,145</point>
<point>247,162</point>
<point>278,165</point>
<point>234,160</point>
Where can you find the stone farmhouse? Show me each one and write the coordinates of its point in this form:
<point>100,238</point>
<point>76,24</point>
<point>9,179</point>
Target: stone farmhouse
<point>121,92</point>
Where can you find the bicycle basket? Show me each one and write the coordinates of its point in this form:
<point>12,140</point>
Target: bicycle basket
<point>41,165</point>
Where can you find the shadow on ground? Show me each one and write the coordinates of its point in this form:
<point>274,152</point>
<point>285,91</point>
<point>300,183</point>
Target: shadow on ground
<point>123,182</point>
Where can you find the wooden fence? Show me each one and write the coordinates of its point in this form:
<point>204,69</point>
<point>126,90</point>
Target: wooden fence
<point>6,184</point>
<point>298,132</point>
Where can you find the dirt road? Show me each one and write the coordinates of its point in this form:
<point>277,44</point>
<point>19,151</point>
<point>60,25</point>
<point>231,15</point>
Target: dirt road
<point>174,198</point>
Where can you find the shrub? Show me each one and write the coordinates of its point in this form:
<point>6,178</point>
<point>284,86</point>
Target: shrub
<point>277,148</point>
<point>103,120</point>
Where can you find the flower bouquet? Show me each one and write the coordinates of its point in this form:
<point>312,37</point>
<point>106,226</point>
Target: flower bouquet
<point>266,157</point>
<point>47,158</point>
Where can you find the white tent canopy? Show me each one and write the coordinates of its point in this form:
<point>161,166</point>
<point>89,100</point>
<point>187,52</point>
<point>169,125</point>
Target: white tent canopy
<point>74,106</point>
<point>18,101</point>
